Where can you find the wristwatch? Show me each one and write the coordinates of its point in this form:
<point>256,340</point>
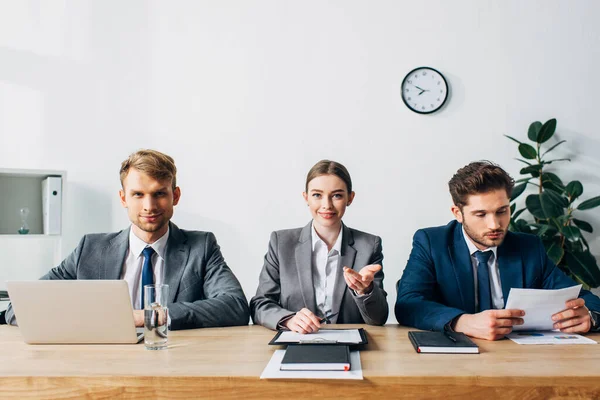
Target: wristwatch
<point>593,320</point>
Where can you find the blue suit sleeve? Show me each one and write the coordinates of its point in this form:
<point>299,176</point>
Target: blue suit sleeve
<point>418,302</point>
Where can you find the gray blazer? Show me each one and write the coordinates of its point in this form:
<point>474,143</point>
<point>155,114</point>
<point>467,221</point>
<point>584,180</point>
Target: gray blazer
<point>286,283</point>
<point>203,292</point>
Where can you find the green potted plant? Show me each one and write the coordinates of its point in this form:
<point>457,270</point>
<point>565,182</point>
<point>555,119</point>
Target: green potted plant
<point>555,207</point>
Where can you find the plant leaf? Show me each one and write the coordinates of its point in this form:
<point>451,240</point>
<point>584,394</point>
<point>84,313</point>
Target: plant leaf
<point>555,252</point>
<point>547,131</point>
<point>572,233</point>
<point>574,189</point>
<point>553,147</point>
<point>534,170</point>
<point>589,203</point>
<point>557,159</point>
<point>527,151</point>
<point>523,226</point>
<point>553,182</point>
<point>523,161</point>
<point>517,213</point>
<point>523,180</point>
<point>584,265</point>
<point>554,178</point>
<point>584,226</point>
<point>518,190</point>
<point>556,198</point>
<point>587,246</point>
<point>550,205</point>
<point>513,139</point>
<point>534,130</point>
<point>534,206</point>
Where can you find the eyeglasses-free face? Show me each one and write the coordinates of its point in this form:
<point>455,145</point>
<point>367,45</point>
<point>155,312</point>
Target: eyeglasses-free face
<point>327,199</point>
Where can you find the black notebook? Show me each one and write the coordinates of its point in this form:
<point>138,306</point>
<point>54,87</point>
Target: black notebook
<point>316,357</point>
<point>440,342</point>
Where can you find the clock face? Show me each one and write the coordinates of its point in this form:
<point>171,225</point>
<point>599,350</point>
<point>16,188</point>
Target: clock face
<point>424,90</point>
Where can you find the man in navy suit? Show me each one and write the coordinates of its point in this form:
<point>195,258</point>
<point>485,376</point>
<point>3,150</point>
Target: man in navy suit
<point>458,276</point>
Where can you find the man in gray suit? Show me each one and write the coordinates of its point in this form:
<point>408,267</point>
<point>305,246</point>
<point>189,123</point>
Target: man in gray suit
<point>203,292</point>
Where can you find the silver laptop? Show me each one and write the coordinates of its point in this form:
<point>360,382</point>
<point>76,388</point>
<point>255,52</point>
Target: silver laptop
<point>74,312</point>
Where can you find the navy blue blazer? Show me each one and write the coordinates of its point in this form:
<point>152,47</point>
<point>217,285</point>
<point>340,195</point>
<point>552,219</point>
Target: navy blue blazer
<point>438,285</point>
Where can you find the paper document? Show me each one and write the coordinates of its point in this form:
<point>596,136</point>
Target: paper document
<point>272,370</point>
<point>539,306</point>
<point>548,337</point>
<point>323,336</point>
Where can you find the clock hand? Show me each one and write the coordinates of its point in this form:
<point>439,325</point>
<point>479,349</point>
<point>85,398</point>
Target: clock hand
<point>418,87</point>
<point>422,91</point>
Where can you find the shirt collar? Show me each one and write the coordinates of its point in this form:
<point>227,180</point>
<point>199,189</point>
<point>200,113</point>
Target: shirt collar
<point>137,245</point>
<point>473,248</point>
<point>316,239</point>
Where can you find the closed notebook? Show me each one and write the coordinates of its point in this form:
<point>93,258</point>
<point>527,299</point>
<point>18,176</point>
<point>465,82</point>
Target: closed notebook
<point>316,357</point>
<point>438,342</point>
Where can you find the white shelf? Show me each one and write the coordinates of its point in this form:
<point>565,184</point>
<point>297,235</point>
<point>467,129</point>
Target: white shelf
<point>23,188</point>
<point>29,256</point>
<point>31,173</point>
<point>31,236</point>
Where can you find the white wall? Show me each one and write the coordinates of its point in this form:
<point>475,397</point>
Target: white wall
<point>248,95</point>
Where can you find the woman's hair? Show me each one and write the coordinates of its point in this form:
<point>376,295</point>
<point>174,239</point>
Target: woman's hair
<point>153,163</point>
<point>327,167</point>
<point>478,177</point>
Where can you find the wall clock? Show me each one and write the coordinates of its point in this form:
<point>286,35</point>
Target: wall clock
<point>424,90</point>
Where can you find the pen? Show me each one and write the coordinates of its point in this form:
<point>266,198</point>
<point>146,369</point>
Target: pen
<point>449,335</point>
<point>327,317</point>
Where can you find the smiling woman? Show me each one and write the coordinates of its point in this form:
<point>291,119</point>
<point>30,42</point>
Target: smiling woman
<point>324,270</point>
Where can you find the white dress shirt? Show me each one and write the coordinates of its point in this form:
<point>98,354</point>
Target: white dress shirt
<point>325,264</point>
<point>134,261</point>
<point>494,273</point>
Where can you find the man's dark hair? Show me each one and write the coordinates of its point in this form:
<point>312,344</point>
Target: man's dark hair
<point>478,177</point>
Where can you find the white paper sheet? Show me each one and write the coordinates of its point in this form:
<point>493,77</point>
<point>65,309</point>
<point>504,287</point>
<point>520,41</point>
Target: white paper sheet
<point>324,335</point>
<point>548,337</point>
<point>272,370</point>
<point>539,306</point>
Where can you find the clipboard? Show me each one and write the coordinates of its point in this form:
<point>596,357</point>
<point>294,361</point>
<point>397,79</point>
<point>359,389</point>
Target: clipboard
<point>319,340</point>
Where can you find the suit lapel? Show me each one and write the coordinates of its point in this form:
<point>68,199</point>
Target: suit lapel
<point>463,269</point>
<point>510,266</point>
<point>304,267</point>
<point>113,256</point>
<point>175,260</point>
<point>346,260</point>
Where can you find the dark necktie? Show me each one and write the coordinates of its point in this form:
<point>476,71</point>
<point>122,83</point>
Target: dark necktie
<point>483,280</point>
<point>147,271</point>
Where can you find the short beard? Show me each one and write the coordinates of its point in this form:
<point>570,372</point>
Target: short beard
<point>481,240</point>
<point>151,228</point>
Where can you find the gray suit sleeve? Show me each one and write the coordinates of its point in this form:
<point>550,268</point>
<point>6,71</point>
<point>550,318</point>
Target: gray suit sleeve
<point>373,307</point>
<point>265,306</point>
<point>224,302</point>
<point>66,270</point>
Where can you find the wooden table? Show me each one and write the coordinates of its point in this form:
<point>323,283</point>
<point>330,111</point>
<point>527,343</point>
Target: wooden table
<point>227,363</point>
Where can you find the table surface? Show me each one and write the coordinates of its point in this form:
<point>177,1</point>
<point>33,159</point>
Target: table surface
<point>226,360</point>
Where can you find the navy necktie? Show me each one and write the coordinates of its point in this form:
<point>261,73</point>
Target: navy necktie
<point>484,294</point>
<point>147,271</point>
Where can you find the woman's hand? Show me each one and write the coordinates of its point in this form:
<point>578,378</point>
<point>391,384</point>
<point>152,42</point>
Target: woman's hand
<point>303,322</point>
<point>361,282</point>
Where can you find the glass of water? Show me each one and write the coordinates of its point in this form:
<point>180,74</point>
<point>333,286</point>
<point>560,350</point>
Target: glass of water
<point>156,316</point>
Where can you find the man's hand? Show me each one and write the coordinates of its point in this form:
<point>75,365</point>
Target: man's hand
<point>361,282</point>
<point>489,324</point>
<point>303,322</point>
<point>575,319</point>
<point>138,318</point>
